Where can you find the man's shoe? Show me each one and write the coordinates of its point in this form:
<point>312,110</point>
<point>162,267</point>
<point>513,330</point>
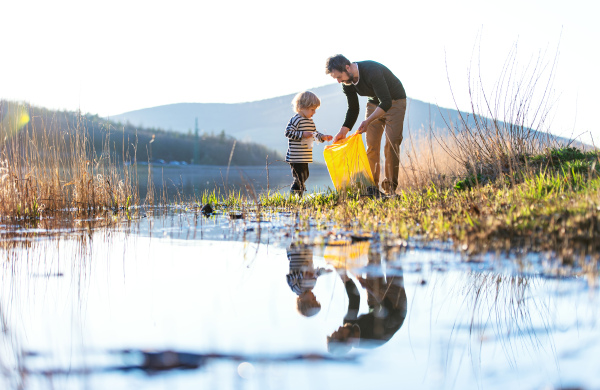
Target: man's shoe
<point>374,193</point>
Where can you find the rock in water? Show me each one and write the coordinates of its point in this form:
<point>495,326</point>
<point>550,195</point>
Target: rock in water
<point>207,209</point>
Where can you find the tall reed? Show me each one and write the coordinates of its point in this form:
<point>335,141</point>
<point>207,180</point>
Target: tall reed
<point>506,124</point>
<point>502,127</point>
<point>48,162</point>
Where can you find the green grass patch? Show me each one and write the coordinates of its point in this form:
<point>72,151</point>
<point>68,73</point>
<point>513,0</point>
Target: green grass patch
<point>551,207</point>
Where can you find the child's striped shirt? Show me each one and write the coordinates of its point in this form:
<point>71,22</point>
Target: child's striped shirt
<point>303,275</point>
<point>300,149</point>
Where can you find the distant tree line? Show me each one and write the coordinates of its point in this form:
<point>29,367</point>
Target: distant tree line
<point>124,141</point>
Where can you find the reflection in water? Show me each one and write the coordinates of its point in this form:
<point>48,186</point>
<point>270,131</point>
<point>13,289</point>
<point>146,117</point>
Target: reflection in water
<point>386,299</point>
<point>154,361</point>
<point>303,277</point>
<point>11,355</point>
<point>504,307</point>
<point>104,296</point>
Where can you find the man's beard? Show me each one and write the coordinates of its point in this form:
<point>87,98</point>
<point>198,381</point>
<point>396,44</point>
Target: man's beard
<point>351,78</point>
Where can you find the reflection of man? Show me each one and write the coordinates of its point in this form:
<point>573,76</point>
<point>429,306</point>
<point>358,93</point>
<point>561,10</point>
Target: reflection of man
<point>387,310</point>
<point>386,107</point>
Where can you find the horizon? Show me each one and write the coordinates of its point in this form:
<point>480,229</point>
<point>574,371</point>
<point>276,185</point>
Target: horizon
<point>187,52</point>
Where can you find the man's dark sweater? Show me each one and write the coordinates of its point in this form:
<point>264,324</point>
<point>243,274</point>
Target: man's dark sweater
<point>378,83</point>
<point>385,317</point>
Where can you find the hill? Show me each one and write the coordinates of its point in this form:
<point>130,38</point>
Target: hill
<point>263,121</point>
<point>146,143</point>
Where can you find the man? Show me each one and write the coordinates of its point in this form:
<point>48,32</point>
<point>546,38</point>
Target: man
<point>386,108</point>
<point>386,298</point>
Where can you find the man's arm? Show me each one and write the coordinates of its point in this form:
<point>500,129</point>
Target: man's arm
<point>353,300</point>
<point>353,106</point>
<point>351,113</point>
<point>382,92</point>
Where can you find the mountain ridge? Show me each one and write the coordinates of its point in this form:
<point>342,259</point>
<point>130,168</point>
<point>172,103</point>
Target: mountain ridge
<point>264,121</point>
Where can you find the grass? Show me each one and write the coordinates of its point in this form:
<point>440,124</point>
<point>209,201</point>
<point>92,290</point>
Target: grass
<point>46,168</point>
<point>545,207</point>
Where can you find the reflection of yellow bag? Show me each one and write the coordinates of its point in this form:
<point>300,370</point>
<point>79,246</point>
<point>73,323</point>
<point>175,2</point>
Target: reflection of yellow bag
<point>347,256</point>
<point>347,163</point>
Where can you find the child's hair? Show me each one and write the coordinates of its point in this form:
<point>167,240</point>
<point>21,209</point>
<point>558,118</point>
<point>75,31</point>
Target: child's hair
<point>306,307</point>
<point>305,99</point>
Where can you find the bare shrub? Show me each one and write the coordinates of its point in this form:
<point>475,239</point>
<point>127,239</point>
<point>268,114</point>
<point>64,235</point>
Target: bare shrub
<point>508,123</point>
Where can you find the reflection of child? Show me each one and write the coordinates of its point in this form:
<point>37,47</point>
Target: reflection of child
<point>301,132</point>
<point>303,277</point>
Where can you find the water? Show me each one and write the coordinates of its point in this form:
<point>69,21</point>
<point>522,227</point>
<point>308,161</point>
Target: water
<point>192,180</point>
<point>181,301</point>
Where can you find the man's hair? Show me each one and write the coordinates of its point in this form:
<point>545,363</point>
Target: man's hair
<point>338,347</point>
<point>305,99</point>
<point>337,62</point>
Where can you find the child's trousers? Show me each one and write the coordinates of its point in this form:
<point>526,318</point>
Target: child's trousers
<point>300,174</point>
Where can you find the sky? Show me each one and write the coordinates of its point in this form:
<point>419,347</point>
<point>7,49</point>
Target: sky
<point>109,57</point>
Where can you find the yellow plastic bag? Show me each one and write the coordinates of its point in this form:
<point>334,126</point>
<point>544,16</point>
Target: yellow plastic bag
<point>348,164</point>
<point>348,256</point>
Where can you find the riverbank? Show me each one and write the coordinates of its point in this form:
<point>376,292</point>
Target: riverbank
<point>550,204</point>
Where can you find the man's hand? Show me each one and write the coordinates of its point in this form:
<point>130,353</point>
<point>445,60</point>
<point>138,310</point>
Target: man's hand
<point>341,134</point>
<point>328,137</point>
<point>307,134</point>
<point>363,127</point>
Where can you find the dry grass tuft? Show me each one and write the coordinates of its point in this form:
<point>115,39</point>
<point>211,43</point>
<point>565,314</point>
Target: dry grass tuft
<point>47,167</point>
<point>424,161</point>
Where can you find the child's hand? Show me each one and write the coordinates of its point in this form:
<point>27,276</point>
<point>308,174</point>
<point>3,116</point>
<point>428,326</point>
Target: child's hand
<point>307,134</point>
<point>328,137</point>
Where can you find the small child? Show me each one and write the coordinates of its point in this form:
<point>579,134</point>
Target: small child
<point>303,277</point>
<point>301,132</point>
